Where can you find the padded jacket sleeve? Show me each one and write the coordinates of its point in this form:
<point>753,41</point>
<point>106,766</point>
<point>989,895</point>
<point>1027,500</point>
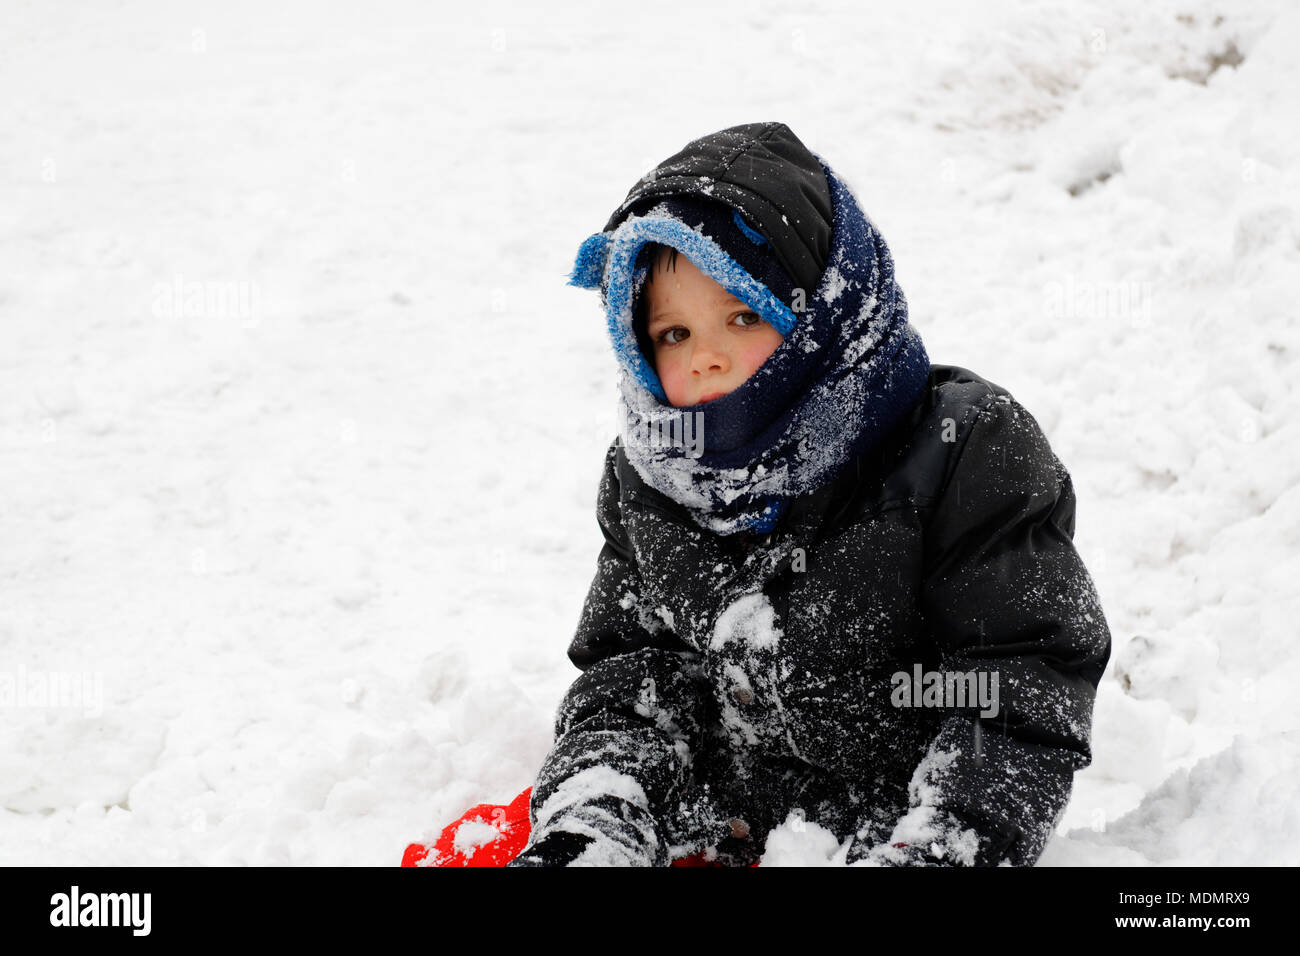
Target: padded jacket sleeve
<point>626,729</point>
<point>1006,593</point>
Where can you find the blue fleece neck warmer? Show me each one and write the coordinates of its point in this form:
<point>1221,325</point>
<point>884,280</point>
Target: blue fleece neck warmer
<point>849,368</point>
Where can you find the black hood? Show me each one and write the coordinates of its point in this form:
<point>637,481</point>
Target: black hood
<point>764,172</point>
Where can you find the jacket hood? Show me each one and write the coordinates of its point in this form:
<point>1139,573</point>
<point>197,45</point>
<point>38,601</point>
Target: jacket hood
<point>762,171</point>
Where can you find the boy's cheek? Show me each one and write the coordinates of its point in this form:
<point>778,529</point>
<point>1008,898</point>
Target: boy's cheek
<point>674,389</point>
<point>760,352</point>
<point>671,379</point>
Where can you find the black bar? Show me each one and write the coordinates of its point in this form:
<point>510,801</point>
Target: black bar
<point>432,907</point>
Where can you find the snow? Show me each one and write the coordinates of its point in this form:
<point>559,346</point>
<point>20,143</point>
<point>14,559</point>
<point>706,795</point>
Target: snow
<point>800,842</point>
<point>473,834</point>
<point>749,620</point>
<point>834,283</point>
<point>588,784</point>
<point>300,427</point>
<point>1194,818</point>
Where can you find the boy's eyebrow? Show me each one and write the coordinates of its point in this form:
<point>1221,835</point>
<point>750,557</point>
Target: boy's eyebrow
<point>724,299</point>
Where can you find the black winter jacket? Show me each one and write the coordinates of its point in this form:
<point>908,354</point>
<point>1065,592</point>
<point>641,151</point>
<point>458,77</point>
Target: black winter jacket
<point>730,682</point>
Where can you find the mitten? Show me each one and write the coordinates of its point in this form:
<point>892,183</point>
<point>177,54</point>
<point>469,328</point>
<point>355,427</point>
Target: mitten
<point>559,848</point>
<point>935,837</point>
<point>601,831</point>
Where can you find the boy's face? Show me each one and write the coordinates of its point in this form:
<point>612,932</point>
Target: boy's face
<point>706,341</point>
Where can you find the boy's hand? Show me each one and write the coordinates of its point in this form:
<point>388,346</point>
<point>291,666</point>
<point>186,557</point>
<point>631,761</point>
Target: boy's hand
<point>940,838</point>
<point>896,854</point>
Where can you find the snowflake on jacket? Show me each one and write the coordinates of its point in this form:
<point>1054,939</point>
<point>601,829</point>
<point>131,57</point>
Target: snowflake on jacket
<point>730,681</point>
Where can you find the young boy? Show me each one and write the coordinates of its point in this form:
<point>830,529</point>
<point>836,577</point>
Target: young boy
<point>852,597</point>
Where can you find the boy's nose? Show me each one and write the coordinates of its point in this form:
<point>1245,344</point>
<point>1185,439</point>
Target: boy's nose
<point>708,357</point>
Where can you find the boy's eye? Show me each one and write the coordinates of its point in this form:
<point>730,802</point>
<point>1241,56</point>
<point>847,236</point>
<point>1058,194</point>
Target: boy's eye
<point>677,334</point>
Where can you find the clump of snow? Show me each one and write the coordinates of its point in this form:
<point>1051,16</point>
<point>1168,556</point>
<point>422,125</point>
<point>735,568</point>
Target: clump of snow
<point>798,842</point>
<point>749,619</point>
<point>473,834</point>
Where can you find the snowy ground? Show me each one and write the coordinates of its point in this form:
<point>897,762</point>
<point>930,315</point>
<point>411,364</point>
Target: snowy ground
<point>300,427</point>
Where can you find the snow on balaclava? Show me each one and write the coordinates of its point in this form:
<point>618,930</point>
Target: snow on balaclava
<point>848,368</point>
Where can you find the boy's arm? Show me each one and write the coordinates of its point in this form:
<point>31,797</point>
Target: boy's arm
<point>1005,592</point>
<point>626,728</point>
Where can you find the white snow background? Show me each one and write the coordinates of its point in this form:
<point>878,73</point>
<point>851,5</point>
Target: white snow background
<point>300,427</point>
